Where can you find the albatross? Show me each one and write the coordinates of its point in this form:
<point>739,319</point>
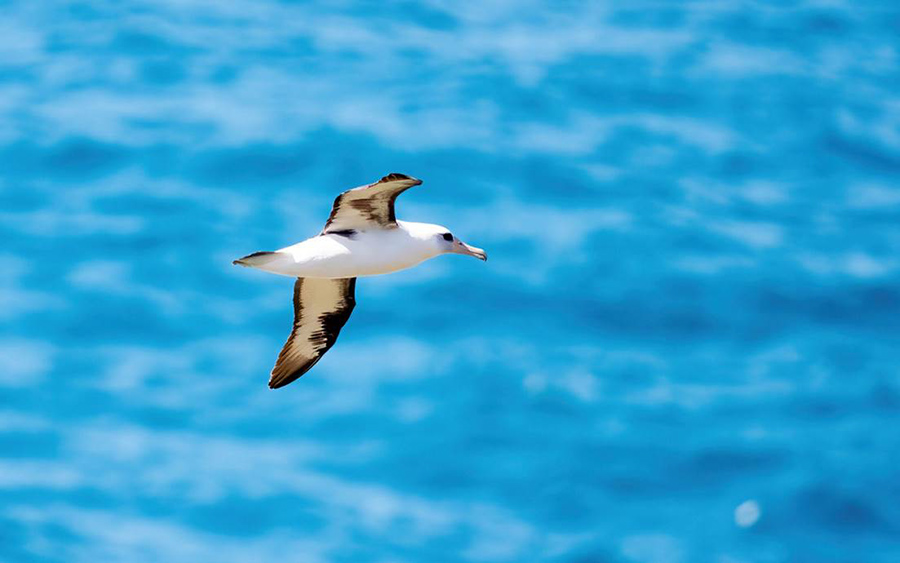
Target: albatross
<point>362,237</point>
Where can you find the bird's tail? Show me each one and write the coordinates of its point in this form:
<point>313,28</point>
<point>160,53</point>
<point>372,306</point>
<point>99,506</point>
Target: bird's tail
<point>256,259</point>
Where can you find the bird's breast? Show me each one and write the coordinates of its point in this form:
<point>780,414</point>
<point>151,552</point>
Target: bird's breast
<point>363,253</point>
<point>382,252</point>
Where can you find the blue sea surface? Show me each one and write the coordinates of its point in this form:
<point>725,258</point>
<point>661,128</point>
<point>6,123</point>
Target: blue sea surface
<point>685,347</point>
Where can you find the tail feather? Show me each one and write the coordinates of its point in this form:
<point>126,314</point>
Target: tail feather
<point>255,259</point>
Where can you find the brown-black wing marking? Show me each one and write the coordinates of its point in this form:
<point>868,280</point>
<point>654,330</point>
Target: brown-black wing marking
<point>321,308</point>
<point>369,207</point>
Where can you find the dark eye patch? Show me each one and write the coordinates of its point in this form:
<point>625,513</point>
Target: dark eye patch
<point>447,236</point>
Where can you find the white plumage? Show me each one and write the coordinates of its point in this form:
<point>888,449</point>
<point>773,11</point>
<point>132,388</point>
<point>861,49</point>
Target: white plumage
<point>362,237</point>
<point>364,253</point>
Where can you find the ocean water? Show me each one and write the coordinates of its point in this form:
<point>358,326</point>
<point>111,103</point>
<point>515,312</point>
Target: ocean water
<point>684,347</point>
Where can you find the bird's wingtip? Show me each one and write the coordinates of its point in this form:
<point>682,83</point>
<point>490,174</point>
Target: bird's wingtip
<point>279,383</point>
<point>397,176</point>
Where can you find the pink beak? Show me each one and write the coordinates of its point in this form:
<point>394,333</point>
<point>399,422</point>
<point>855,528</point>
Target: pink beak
<point>459,247</point>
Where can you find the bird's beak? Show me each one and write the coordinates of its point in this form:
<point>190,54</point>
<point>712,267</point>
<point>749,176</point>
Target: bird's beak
<point>462,248</point>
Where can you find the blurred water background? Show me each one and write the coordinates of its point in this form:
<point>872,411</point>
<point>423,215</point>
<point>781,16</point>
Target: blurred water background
<point>684,348</point>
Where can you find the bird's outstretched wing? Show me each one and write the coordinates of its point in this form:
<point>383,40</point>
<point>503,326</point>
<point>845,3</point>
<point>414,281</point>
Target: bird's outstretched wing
<point>369,207</point>
<point>321,308</point>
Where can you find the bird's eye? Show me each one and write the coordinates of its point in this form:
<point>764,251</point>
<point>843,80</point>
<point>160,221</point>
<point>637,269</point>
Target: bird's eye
<point>447,236</point>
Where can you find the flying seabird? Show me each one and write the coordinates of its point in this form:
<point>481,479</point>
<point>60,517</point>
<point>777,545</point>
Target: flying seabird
<point>362,237</point>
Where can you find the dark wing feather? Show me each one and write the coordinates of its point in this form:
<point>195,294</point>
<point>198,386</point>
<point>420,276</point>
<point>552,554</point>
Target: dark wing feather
<point>369,207</point>
<point>321,308</point>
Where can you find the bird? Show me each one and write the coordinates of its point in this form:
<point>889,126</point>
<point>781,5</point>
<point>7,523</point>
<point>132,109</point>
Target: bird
<point>362,237</point>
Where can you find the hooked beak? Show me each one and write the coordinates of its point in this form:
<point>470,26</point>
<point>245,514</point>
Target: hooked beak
<point>459,247</point>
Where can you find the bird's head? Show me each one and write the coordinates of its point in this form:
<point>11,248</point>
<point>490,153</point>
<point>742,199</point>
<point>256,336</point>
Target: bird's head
<point>447,243</point>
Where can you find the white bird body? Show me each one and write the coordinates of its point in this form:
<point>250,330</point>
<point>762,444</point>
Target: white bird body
<point>362,237</point>
<point>363,253</point>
